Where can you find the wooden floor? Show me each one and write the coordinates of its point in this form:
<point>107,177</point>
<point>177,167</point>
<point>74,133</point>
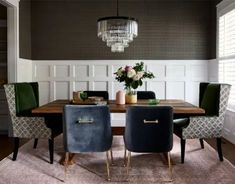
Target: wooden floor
<point>227,147</point>
<point>6,147</point>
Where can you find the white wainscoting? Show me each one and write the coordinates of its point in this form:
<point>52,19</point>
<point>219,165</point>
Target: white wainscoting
<point>178,79</point>
<point>229,127</point>
<point>213,70</point>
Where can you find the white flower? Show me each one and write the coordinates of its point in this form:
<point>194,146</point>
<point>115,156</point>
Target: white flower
<point>131,73</point>
<point>138,76</point>
<point>140,73</point>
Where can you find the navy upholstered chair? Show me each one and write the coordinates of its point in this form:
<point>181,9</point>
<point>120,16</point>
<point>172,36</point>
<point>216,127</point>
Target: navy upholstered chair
<point>21,99</point>
<point>87,128</point>
<point>103,94</point>
<point>149,129</point>
<point>146,95</point>
<point>213,98</point>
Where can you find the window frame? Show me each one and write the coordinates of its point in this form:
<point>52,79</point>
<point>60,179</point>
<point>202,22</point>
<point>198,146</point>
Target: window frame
<point>223,8</point>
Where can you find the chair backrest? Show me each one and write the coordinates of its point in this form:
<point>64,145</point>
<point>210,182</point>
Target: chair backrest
<point>149,129</point>
<point>146,95</point>
<point>22,97</point>
<point>211,125</point>
<point>18,97</point>
<point>27,97</point>
<point>213,98</point>
<point>87,128</point>
<point>103,94</point>
<point>224,97</point>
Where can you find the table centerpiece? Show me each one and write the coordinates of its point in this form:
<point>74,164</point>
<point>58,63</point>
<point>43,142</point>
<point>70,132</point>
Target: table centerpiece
<point>132,76</point>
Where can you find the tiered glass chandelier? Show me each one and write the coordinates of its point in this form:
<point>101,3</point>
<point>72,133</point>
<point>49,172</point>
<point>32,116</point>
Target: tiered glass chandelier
<point>117,31</point>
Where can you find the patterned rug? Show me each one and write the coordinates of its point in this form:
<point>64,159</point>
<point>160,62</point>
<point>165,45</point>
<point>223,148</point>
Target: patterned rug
<point>32,167</point>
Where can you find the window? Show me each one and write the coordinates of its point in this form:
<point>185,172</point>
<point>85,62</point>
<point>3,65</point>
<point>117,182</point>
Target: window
<point>226,52</point>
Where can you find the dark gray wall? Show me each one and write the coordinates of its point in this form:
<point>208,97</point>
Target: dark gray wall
<point>67,29</point>
<point>25,29</point>
<point>3,45</point>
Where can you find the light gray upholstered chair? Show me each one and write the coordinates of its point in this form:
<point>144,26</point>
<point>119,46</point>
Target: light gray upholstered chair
<point>87,128</point>
<point>213,98</point>
<point>21,98</point>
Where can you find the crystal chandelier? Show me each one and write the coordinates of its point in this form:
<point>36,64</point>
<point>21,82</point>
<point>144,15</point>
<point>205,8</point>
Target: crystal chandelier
<point>117,31</point>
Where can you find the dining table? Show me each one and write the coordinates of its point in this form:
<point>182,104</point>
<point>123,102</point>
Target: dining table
<point>53,111</point>
<point>53,114</point>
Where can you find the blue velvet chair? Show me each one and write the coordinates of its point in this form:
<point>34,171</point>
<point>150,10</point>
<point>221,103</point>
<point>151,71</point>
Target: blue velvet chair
<point>87,128</point>
<point>213,98</point>
<point>146,95</point>
<point>103,94</point>
<point>148,129</point>
<point>22,98</point>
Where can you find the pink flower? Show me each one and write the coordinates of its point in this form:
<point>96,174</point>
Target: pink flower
<point>128,68</point>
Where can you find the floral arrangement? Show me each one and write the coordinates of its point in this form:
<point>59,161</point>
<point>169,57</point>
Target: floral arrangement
<point>133,76</point>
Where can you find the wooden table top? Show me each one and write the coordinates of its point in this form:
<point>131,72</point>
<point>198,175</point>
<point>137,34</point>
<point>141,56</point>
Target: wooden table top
<point>179,107</point>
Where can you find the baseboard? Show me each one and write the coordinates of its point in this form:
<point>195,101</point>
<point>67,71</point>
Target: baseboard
<point>3,132</point>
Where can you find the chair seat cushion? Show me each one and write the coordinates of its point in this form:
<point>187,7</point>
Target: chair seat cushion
<point>181,123</point>
<point>25,99</point>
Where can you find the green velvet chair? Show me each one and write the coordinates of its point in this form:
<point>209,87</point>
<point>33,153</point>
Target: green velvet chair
<point>213,98</point>
<point>22,98</point>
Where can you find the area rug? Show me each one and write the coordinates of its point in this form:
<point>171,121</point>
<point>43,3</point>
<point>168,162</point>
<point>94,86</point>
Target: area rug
<point>32,166</point>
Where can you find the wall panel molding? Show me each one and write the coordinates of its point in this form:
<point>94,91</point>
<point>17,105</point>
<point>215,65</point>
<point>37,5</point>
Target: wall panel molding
<point>174,79</point>
<point>65,76</point>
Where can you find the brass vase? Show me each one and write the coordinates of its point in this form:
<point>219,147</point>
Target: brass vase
<point>131,97</point>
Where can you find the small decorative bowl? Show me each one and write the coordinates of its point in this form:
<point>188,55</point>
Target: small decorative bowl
<point>153,101</point>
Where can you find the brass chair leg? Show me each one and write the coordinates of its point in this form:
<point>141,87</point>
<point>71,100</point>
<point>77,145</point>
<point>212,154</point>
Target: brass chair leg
<point>124,164</point>
<point>128,165</point>
<point>170,166</point>
<point>107,165</point>
<point>66,165</point>
<point>111,156</point>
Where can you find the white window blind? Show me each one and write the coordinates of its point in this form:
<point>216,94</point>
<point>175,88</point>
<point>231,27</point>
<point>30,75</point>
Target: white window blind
<point>226,52</point>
